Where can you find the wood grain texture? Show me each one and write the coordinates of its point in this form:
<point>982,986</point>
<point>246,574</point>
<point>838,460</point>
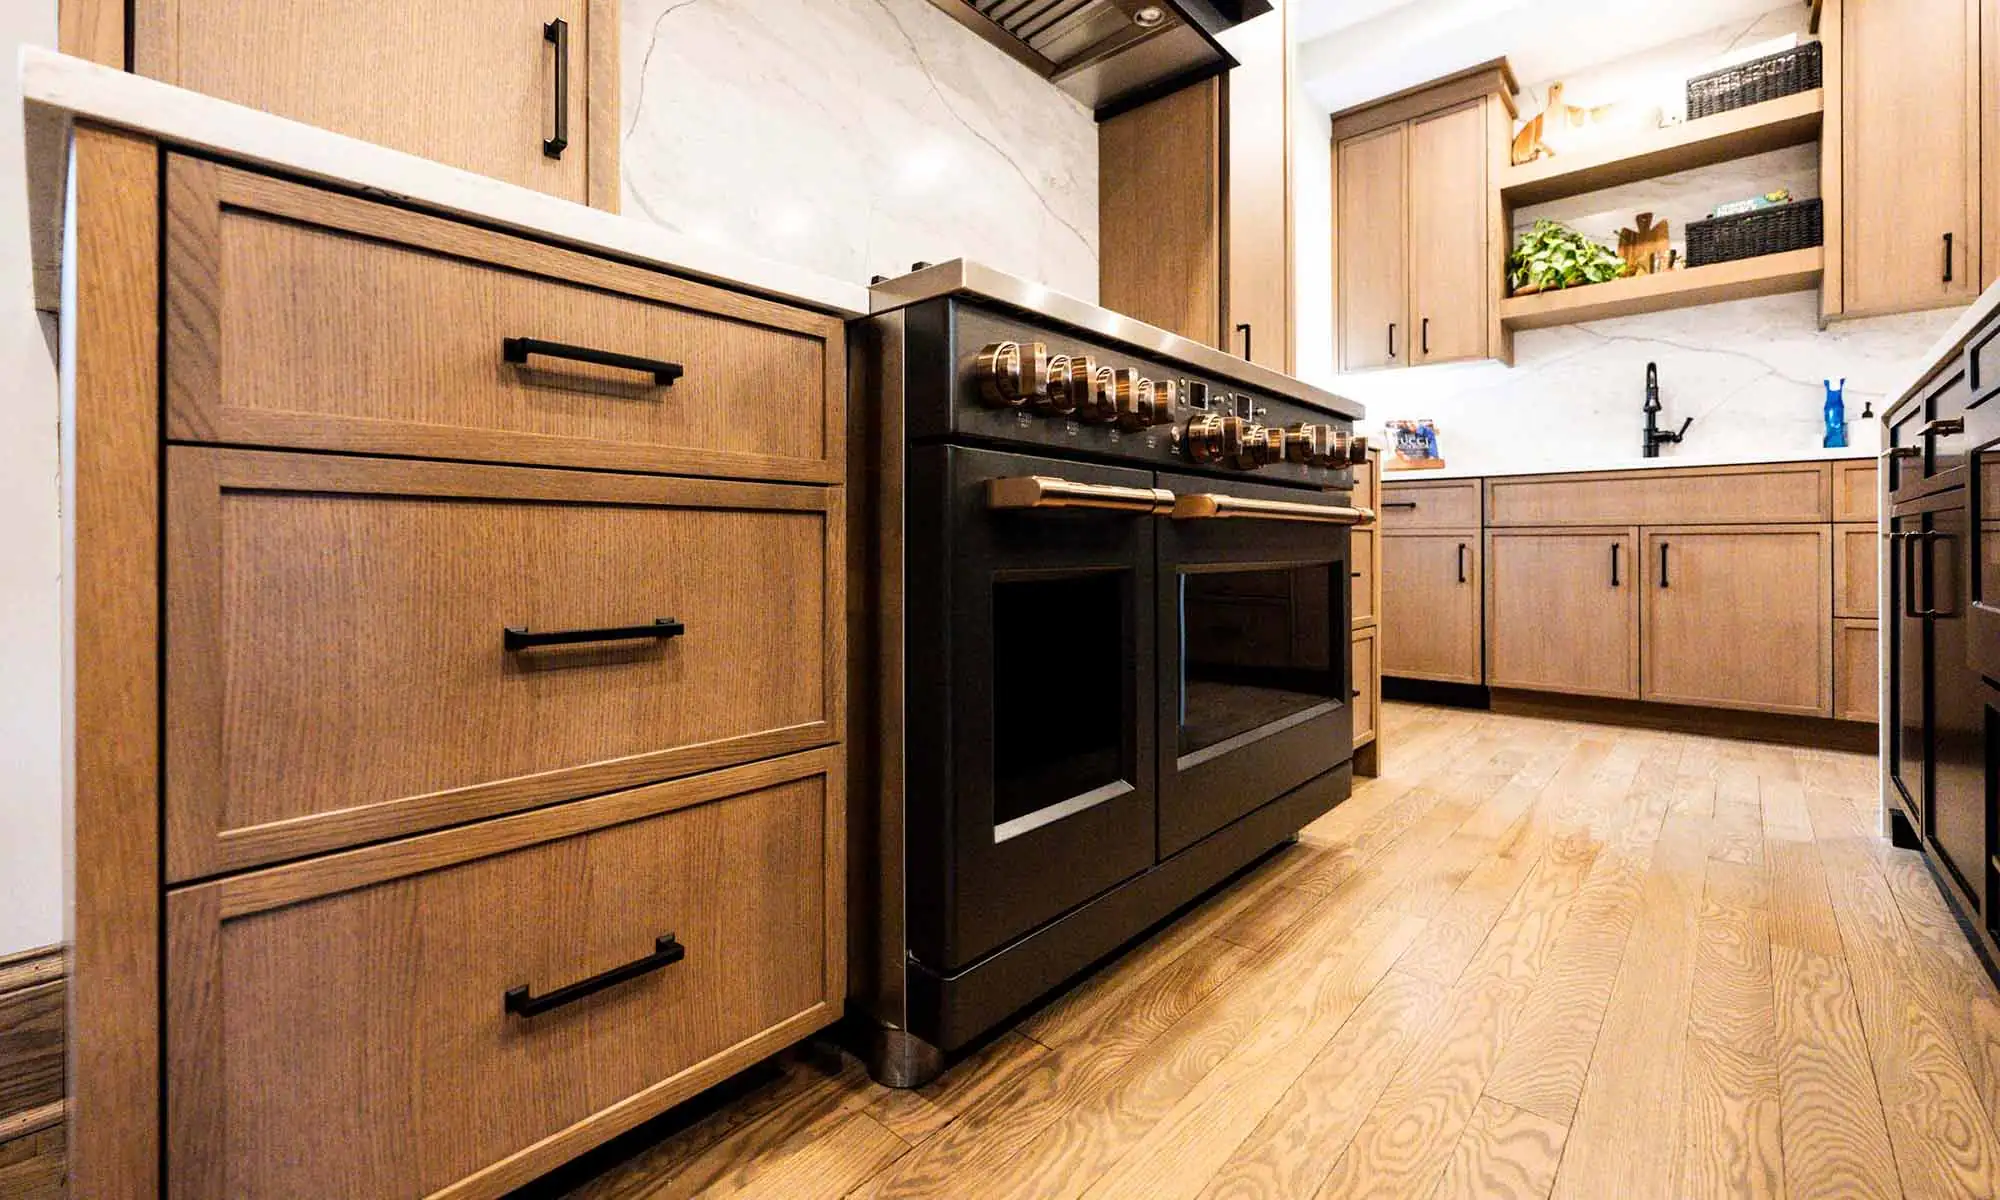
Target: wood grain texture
<point>1258,250</point>
<point>1855,553</point>
<point>1367,670</point>
<point>1758,590</point>
<point>1854,486</point>
<point>1372,296</point>
<point>94,30</point>
<point>1430,582</point>
<point>32,1009</point>
<point>111,521</point>
<point>1828,22</point>
<point>1555,619</point>
<point>31,1166</point>
<point>1718,283</point>
<point>463,82</point>
<point>1642,1012</point>
<point>1449,263</point>
<point>1416,506</point>
<point>1160,210</point>
<point>1787,492</point>
<point>299,317</point>
<point>393,707</point>
<point>392,1066</point>
<point>1857,651</point>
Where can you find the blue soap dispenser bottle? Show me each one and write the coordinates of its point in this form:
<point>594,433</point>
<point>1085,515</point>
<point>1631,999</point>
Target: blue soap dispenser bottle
<point>1836,415</point>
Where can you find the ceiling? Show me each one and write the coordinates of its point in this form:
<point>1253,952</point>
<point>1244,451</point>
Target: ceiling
<point>1353,51</point>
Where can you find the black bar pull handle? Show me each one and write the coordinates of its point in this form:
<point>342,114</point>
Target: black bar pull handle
<point>517,638</point>
<point>1614,564</point>
<point>521,1002</point>
<point>1461,562</point>
<point>1663,564</point>
<point>1244,329</point>
<point>557,31</point>
<point>517,349</point>
<point>1392,339</point>
<point>1425,330</point>
<point>1947,258</point>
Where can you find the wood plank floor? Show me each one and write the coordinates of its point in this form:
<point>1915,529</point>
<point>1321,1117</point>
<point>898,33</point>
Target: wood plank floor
<point>1535,958</point>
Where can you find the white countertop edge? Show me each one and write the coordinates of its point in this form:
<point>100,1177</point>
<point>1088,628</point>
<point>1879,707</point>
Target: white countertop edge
<point>1851,454</point>
<point>1948,343</point>
<point>57,89</point>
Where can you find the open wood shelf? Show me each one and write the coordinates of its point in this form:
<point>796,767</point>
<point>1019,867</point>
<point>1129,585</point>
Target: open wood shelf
<point>1768,275</point>
<point>1754,129</point>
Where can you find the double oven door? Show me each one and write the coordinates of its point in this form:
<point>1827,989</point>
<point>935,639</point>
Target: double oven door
<point>1103,666</point>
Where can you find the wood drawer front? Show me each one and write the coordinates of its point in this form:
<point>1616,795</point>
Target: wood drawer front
<point>1856,653</point>
<point>1854,491</point>
<point>342,1019</point>
<point>1721,495</point>
<point>1366,475</point>
<point>336,667</point>
<point>1363,580</point>
<point>1367,683</point>
<point>1855,558</point>
<point>1452,504</point>
<point>303,318</point>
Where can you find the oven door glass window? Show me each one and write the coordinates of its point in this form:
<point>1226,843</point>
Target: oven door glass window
<point>1258,655</point>
<point>1062,673</point>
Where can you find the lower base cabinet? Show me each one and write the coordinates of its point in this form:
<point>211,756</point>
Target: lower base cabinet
<point>1431,603</point>
<point>1563,611</point>
<point>1857,654</point>
<point>1738,617</point>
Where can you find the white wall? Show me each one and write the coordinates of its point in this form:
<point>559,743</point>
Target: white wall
<point>30,771</point>
<point>854,137</point>
<point>1749,372</point>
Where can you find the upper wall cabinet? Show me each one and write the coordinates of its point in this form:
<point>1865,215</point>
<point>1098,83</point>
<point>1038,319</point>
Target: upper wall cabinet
<point>1908,166</point>
<point>1194,202</point>
<point>520,90</point>
<point>1416,223</point>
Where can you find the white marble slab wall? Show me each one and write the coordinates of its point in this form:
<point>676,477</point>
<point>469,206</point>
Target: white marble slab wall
<point>854,137</point>
<point>1750,372</point>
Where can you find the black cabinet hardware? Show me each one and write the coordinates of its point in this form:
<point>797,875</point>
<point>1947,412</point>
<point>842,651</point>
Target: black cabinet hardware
<point>1927,536</point>
<point>1947,258</point>
<point>557,31</point>
<point>1909,539</point>
<point>1942,427</point>
<point>666,952</point>
<point>1392,339</point>
<point>1614,564</point>
<point>516,638</point>
<point>1244,329</point>
<point>1461,562</point>
<point>1399,504</point>
<point>1663,564</point>
<point>517,349</point>
<point>1425,331</point>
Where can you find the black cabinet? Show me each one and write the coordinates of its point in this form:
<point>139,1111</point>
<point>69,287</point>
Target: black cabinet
<point>1956,825</point>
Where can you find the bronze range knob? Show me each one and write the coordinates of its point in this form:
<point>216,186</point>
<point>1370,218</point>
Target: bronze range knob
<point>1116,392</point>
<point>1205,441</point>
<point>998,370</point>
<point>1166,397</point>
<point>1309,444</point>
<point>1140,414</point>
<point>1071,378</point>
<point>1357,451</point>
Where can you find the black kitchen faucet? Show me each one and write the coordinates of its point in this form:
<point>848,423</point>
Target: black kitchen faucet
<point>1655,436</point>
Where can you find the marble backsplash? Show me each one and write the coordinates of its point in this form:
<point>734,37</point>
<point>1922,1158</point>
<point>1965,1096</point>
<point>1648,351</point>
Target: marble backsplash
<point>853,137</point>
<point>1749,372</point>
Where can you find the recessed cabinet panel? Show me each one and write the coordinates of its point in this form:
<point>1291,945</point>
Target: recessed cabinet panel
<point>1738,618</point>
<point>1562,611</point>
<point>1430,600</point>
<point>1374,264</point>
<point>1448,219</point>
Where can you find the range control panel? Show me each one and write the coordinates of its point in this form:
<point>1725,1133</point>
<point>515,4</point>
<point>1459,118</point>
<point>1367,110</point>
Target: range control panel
<point>1047,388</point>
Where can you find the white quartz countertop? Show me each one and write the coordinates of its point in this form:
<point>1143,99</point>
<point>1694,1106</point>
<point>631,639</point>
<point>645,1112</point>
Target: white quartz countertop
<point>57,90</point>
<point>1949,342</point>
<point>1664,462</point>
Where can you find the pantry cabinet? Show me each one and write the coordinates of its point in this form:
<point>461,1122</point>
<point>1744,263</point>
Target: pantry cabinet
<point>1909,164</point>
<point>1738,617</point>
<point>1415,222</point>
<point>520,90</point>
<point>1563,611</point>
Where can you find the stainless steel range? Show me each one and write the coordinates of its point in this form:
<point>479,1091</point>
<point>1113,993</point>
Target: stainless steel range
<point>1101,637</point>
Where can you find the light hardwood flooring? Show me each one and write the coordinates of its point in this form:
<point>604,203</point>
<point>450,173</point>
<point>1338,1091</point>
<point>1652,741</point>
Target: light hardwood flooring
<point>1535,958</point>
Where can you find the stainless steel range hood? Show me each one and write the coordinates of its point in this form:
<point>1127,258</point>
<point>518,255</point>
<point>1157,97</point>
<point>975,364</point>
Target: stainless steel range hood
<point>1110,53</point>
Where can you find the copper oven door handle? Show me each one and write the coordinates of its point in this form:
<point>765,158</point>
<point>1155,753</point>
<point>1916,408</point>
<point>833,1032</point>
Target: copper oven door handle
<point>1209,506</point>
<point>1046,491</point>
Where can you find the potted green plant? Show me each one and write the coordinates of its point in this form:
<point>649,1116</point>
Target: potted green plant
<point>1552,255</point>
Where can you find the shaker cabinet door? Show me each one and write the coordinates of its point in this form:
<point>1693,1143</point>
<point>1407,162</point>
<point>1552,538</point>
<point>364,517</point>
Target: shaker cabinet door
<point>486,85</point>
<point>1562,611</point>
<point>1739,618</point>
<point>1448,259</point>
<point>1374,267</point>
<point>1430,606</point>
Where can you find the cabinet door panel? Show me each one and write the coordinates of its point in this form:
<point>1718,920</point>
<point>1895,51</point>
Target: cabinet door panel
<point>1430,606</point>
<point>1448,262</point>
<point>1562,612</point>
<point>1910,155</point>
<point>1374,269</point>
<point>1958,712</point>
<point>470,83</point>
<point>1739,618</point>
<point>1259,209</point>
<point>1856,654</point>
